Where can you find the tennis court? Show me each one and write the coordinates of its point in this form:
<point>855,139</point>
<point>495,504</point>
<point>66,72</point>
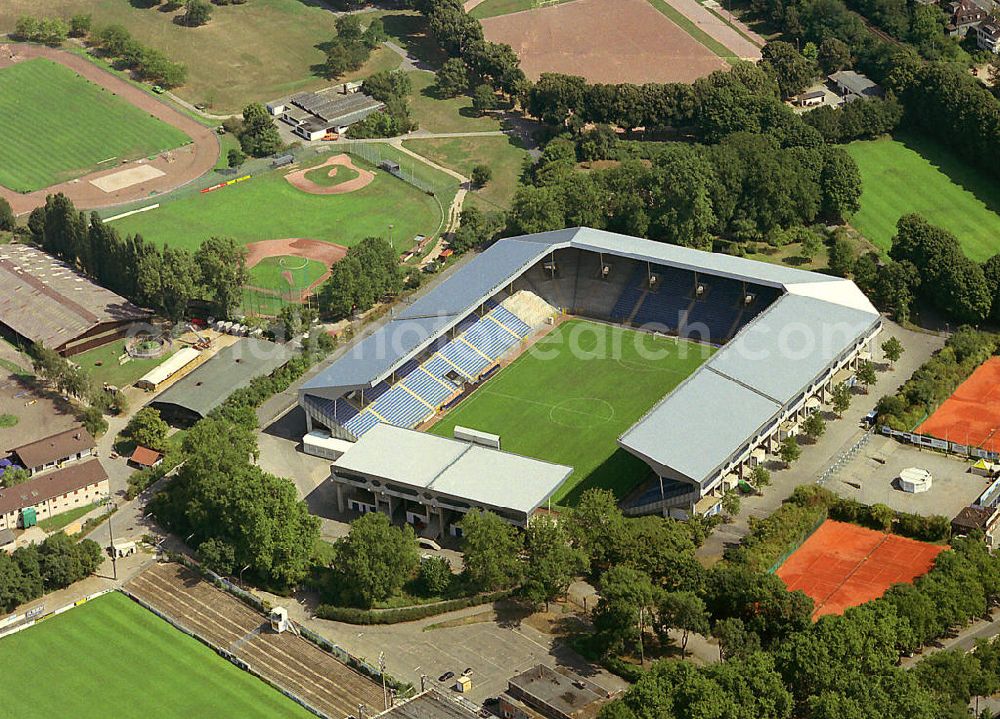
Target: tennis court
<point>843,565</point>
<point>971,416</point>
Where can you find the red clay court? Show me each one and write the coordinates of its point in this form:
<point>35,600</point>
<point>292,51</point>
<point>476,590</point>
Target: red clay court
<point>971,416</point>
<point>843,565</point>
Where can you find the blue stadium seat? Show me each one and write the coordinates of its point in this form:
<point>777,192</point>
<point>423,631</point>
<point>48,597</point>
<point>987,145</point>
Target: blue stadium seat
<point>465,358</point>
<point>399,407</point>
<point>361,423</point>
<point>489,338</point>
<point>427,387</point>
<point>511,321</point>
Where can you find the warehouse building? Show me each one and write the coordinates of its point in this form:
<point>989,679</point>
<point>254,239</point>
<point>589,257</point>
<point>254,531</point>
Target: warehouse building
<point>313,115</point>
<point>44,300</point>
<point>208,386</point>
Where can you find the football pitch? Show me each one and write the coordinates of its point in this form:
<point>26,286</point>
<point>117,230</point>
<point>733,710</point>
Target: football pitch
<point>56,125</point>
<point>111,657</point>
<point>916,174</point>
<point>569,397</point>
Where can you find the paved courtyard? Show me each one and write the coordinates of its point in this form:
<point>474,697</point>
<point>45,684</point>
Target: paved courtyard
<point>871,478</point>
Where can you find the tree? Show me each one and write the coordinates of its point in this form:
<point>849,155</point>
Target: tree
<point>882,516</point>
<point>866,374</point>
<point>375,558</point>
<point>236,157</point>
<point>833,54</point>
<point>840,181</point>
<point>7,220</point>
<point>731,503</point>
<point>789,450</point>
<point>597,526</point>
<point>196,13</point>
<point>625,608</point>
<point>259,135</point>
<point>841,399</point>
<point>484,99</point>
<point>79,25</point>
<point>217,556</point>
<point>760,477</point>
<point>793,71</point>
<point>222,264</point>
<point>492,551</point>
<point>893,349</point>
<point>684,611</point>
<point>375,34</point>
<point>841,255</point>
<point>147,429</point>
<point>452,78</point>
<point>734,639</point>
<point>13,476</point>
<point>552,563</point>
<point>63,561</point>
<point>814,426</point>
<point>435,575</point>
<point>481,174</point>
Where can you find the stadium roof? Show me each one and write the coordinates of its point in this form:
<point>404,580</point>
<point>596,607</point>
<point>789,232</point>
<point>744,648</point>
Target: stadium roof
<point>817,320</point>
<point>45,300</point>
<point>454,468</point>
<point>233,367</point>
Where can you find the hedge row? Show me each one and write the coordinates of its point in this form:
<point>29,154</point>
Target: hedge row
<point>351,615</point>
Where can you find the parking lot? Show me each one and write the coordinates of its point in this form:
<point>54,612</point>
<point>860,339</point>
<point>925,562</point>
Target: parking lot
<point>878,465</point>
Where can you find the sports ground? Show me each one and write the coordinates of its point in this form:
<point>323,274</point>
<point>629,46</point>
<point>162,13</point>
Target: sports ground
<point>55,126</point>
<point>915,174</point>
<point>971,416</point>
<point>843,565</point>
<point>569,397</point>
<point>111,657</point>
<point>277,209</point>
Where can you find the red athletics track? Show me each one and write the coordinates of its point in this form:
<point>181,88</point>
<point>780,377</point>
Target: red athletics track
<point>971,416</point>
<point>843,565</point>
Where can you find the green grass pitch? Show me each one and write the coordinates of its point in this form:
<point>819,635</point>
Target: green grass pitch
<point>267,207</point>
<point>273,273</point>
<point>915,174</point>
<point>570,396</point>
<point>55,126</point>
<point>111,657</point>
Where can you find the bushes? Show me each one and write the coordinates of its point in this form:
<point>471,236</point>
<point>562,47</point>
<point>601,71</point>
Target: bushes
<point>49,30</point>
<point>151,65</point>
<point>934,381</point>
<point>35,569</point>
<point>351,615</point>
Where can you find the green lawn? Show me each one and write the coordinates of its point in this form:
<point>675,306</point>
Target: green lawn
<point>492,8</point>
<point>256,51</point>
<point>915,174</point>
<point>55,126</point>
<point>59,521</point>
<point>111,657</point>
<point>267,207</point>
<point>322,177</point>
<point>569,398</point>
<point>102,364</point>
<point>501,154</point>
<point>445,115</point>
<point>270,273</point>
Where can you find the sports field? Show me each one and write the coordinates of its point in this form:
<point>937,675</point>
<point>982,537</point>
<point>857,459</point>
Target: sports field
<point>915,174</point>
<point>267,207</point>
<point>573,393</point>
<point>493,8</point>
<point>286,273</point>
<point>843,565</point>
<point>971,415</point>
<point>111,657</point>
<point>55,126</point>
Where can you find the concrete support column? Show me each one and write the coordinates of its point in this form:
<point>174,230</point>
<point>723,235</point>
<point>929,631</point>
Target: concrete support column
<point>441,529</point>
<point>340,496</point>
<point>309,422</point>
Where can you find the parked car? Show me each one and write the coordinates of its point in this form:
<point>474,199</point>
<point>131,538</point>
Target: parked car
<point>467,672</point>
<point>446,676</point>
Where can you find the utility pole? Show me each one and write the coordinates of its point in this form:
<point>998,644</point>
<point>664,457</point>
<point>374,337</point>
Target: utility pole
<point>111,539</point>
<point>381,669</point>
<point>642,653</point>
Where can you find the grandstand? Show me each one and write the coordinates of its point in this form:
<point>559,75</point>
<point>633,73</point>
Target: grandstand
<point>703,436</point>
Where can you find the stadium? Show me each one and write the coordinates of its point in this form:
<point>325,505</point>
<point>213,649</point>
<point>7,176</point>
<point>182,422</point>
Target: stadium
<point>709,360</point>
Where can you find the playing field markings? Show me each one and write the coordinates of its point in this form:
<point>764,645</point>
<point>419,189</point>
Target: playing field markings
<point>850,575</point>
<point>551,406</point>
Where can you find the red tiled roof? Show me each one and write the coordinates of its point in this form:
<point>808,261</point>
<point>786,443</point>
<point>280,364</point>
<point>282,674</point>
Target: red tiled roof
<point>145,457</point>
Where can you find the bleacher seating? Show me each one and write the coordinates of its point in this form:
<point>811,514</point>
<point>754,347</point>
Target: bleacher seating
<point>630,295</point>
<point>667,307</point>
<point>712,318</point>
<point>652,493</point>
<point>423,387</point>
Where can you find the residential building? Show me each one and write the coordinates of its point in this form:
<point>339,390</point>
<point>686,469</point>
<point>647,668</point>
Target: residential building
<point>988,35</point>
<point>53,493</point>
<point>55,451</point>
<point>963,15</point>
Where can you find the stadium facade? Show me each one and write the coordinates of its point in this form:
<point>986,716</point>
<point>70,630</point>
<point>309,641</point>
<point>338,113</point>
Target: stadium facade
<point>787,337</point>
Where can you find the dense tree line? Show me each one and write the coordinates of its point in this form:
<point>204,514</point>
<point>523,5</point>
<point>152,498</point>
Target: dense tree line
<point>237,513</point>
<point>115,42</point>
<point>163,278</point>
<point>50,31</point>
<point>369,273</point>
<point>745,188</point>
<point>353,45</point>
<point>257,132</point>
<point>32,570</point>
<point>856,120</point>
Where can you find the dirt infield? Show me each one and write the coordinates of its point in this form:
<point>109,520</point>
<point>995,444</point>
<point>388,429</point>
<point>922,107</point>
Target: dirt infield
<point>286,660</point>
<point>325,252</point>
<point>843,565</point>
<point>299,180</point>
<point>623,41</point>
<point>971,416</point>
<point>179,166</point>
